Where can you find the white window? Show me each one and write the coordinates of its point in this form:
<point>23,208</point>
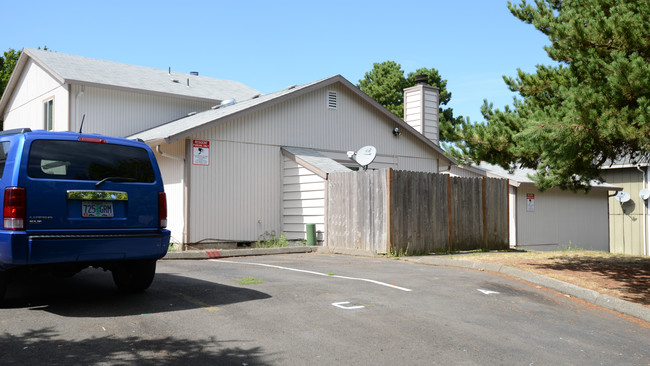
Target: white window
<point>48,114</point>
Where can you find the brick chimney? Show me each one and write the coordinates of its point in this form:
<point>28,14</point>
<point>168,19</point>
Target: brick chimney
<point>421,108</point>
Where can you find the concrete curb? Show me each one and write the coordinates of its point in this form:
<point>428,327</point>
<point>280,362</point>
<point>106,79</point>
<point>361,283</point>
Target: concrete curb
<point>605,301</point>
<point>608,302</point>
<point>224,253</point>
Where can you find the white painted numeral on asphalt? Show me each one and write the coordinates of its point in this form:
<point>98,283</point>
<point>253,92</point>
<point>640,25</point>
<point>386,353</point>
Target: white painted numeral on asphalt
<point>340,305</point>
<point>488,292</point>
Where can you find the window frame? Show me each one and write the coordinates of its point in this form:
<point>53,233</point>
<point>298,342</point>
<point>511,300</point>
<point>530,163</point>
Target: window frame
<point>48,114</point>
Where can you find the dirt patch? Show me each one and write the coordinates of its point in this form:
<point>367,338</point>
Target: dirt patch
<point>623,276</point>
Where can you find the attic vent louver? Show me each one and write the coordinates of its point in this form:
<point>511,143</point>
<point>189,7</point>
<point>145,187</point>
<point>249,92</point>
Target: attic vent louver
<point>332,99</point>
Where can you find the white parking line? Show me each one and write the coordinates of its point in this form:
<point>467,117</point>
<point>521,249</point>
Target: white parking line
<point>314,273</point>
<point>343,303</point>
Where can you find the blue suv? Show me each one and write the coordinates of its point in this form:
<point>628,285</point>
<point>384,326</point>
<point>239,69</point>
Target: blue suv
<point>74,200</point>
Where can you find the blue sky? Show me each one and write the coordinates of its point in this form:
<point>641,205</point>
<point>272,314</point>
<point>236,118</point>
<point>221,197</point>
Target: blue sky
<point>269,45</point>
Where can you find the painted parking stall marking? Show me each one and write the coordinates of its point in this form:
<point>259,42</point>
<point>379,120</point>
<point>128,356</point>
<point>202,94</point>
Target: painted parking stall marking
<point>342,304</point>
<point>488,292</point>
<point>316,273</point>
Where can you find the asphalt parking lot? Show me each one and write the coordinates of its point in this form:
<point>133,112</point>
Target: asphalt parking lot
<point>310,309</point>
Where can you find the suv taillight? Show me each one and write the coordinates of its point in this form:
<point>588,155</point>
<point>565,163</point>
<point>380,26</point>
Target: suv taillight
<point>13,210</point>
<point>162,210</point>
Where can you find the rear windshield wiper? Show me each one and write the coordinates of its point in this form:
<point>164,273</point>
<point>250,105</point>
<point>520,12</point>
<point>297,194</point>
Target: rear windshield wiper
<point>115,179</point>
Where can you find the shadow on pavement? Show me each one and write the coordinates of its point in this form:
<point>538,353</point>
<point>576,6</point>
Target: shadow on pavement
<point>91,293</point>
<point>43,346</point>
<point>631,275</point>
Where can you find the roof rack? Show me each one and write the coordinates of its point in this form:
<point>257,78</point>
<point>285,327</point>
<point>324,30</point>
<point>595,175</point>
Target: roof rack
<point>15,131</point>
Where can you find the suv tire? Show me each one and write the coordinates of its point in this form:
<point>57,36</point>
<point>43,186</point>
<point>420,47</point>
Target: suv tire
<point>134,276</point>
<point>4,281</point>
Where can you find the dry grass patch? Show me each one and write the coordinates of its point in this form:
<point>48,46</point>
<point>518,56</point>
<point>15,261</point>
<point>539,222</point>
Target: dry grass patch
<point>624,276</point>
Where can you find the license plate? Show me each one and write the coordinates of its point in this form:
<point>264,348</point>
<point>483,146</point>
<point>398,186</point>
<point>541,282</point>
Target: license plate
<point>97,209</point>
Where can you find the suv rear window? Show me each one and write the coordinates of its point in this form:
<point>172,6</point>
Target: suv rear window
<point>59,159</point>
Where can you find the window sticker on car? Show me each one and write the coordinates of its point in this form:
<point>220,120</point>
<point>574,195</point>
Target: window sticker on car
<point>54,167</point>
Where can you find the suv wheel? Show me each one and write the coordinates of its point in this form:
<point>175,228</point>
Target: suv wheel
<point>4,280</point>
<point>135,276</point>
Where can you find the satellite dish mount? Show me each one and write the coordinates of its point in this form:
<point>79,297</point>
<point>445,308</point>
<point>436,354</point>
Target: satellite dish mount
<point>622,197</point>
<point>364,156</point>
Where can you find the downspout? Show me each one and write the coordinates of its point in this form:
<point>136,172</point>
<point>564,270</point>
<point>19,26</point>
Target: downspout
<point>182,160</point>
<point>170,156</point>
<point>646,248</point>
<point>445,170</point>
<point>645,218</point>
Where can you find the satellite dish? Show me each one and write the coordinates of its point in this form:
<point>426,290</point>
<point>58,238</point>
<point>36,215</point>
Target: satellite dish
<point>365,155</point>
<point>622,197</point>
<point>644,194</point>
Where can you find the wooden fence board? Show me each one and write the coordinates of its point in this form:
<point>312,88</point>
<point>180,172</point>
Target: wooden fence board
<point>397,211</point>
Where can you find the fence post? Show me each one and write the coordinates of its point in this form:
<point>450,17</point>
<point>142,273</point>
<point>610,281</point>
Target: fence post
<point>450,244</point>
<point>485,243</point>
<point>389,209</point>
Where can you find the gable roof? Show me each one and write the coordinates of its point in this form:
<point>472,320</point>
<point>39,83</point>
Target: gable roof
<point>191,125</point>
<point>521,176</point>
<point>628,161</point>
<point>69,69</point>
<point>314,161</point>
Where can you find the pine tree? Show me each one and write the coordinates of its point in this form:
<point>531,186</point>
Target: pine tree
<point>386,82</point>
<point>589,109</point>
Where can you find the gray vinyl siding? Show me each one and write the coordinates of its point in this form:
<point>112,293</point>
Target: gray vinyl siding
<point>239,196</point>
<point>173,175</point>
<point>626,221</point>
<point>562,218</point>
<point>25,109</point>
<point>306,121</point>
<point>116,112</point>
<point>303,200</point>
<point>422,113</point>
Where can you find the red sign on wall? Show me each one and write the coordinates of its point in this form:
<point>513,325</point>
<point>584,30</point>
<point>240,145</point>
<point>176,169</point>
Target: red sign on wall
<point>530,202</point>
<point>200,152</point>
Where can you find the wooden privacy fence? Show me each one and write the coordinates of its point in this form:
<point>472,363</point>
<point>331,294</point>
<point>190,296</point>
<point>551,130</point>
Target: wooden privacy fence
<point>393,211</point>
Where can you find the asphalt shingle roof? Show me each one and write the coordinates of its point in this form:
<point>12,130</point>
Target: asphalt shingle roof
<point>88,71</point>
<point>183,127</point>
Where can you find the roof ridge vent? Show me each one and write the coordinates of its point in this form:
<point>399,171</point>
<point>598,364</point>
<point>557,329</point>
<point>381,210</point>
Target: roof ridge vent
<point>228,102</point>
<point>224,103</point>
